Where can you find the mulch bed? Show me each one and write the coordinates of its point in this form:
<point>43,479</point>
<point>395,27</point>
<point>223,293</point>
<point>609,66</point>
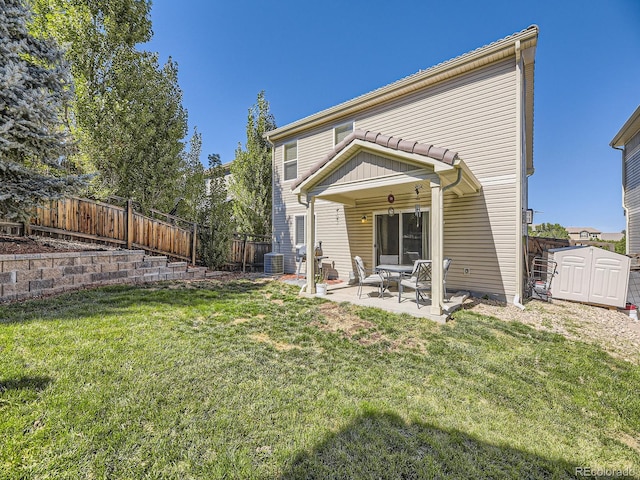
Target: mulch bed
<point>11,245</point>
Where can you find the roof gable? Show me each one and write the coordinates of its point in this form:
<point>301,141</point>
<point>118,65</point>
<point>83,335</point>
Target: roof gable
<point>445,156</point>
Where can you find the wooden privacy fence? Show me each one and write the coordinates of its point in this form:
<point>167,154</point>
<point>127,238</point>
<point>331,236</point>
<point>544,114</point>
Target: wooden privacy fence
<point>124,227</point>
<point>249,251</point>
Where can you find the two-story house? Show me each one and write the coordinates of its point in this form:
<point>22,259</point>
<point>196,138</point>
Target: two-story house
<point>434,165</point>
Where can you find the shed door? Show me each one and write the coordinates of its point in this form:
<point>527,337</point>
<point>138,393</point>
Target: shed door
<point>609,278</point>
<point>573,277</point>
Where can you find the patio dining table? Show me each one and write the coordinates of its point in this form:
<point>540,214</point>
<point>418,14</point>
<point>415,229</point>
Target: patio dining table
<point>401,270</point>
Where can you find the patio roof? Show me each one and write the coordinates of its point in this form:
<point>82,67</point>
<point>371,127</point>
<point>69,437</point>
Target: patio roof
<point>424,161</point>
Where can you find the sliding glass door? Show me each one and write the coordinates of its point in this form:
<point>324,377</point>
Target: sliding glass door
<point>404,235</point>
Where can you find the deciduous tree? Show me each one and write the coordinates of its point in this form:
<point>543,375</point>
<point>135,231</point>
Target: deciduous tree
<point>128,117</point>
<point>251,172</point>
<point>549,230</point>
<point>215,219</point>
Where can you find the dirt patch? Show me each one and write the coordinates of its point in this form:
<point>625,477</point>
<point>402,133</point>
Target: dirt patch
<point>337,320</point>
<point>280,346</point>
<point>239,321</point>
<point>610,329</point>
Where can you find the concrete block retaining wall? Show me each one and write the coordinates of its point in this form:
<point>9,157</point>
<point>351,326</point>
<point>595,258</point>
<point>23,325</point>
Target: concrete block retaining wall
<point>25,276</point>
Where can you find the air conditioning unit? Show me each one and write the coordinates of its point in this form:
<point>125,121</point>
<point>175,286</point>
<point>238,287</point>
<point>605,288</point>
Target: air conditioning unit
<point>274,263</point>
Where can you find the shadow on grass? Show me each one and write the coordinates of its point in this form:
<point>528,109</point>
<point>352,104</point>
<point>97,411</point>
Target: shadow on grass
<point>36,384</point>
<point>120,298</point>
<point>382,445</point>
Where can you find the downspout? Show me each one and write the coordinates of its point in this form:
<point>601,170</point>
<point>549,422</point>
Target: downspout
<point>455,182</point>
<point>519,167</point>
<point>306,205</point>
<point>624,206</point>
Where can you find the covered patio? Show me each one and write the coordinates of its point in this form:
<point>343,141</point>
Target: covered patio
<point>367,165</point>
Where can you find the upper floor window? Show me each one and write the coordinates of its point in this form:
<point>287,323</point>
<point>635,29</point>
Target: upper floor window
<point>584,234</point>
<point>291,160</point>
<point>341,132</point>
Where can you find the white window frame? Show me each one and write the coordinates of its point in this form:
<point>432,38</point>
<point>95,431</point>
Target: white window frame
<point>343,125</point>
<point>286,162</point>
<point>304,229</point>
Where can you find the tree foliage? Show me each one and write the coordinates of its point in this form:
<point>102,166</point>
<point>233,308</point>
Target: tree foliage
<point>621,245</point>
<point>127,118</point>
<point>549,230</point>
<point>140,150</point>
<point>35,85</point>
<point>251,171</point>
<point>192,188</point>
<point>215,218</point>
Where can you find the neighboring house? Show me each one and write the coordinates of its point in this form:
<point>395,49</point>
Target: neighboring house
<point>628,141</point>
<point>583,233</point>
<point>612,237</point>
<point>436,163</point>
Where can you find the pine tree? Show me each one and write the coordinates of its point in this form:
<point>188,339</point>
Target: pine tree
<point>251,173</point>
<point>35,85</point>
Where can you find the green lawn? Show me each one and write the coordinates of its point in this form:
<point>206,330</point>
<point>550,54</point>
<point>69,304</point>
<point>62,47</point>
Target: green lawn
<point>248,380</point>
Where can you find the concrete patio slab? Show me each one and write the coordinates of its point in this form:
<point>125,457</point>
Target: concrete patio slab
<point>343,292</point>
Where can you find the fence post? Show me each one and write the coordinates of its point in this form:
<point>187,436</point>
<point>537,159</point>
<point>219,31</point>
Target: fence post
<point>129,224</point>
<point>244,254</point>
<point>194,243</point>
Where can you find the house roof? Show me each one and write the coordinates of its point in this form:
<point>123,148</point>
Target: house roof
<point>628,130</point>
<point>437,153</point>
<point>614,236</point>
<point>582,229</point>
<point>492,52</point>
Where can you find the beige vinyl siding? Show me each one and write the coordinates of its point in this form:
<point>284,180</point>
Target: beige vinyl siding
<point>632,192</point>
<point>475,115</point>
<point>311,147</point>
<point>365,165</point>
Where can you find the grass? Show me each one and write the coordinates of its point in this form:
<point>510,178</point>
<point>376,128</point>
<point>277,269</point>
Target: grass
<point>248,380</point>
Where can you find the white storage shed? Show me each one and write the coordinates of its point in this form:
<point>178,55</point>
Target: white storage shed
<point>591,275</point>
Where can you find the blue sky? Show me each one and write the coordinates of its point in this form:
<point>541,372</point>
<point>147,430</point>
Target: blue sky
<point>308,56</point>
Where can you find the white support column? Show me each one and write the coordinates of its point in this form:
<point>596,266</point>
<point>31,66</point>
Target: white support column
<point>437,234</point>
<point>311,246</point>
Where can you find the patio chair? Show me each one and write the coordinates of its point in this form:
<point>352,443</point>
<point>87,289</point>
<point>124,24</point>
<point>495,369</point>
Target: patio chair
<point>390,259</point>
<point>420,280</point>
<point>378,279</point>
<point>413,256</point>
